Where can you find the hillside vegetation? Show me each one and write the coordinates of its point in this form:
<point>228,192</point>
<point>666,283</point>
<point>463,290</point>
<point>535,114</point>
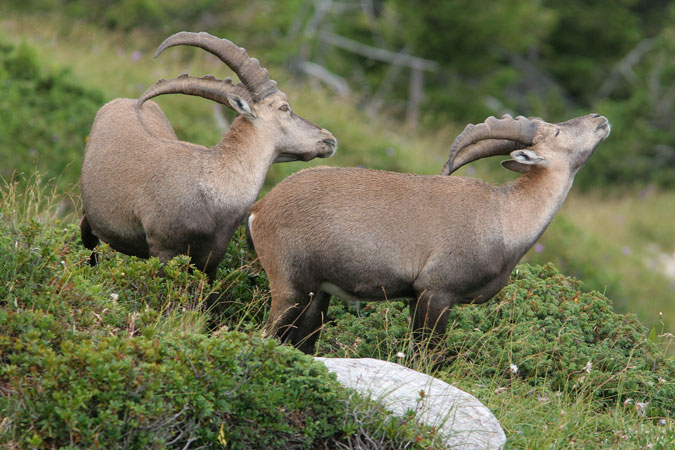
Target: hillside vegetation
<point>117,356</point>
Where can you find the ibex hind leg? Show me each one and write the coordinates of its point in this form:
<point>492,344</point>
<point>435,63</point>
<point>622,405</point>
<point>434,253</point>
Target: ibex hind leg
<point>311,322</point>
<point>296,316</point>
<point>89,239</point>
<point>430,313</point>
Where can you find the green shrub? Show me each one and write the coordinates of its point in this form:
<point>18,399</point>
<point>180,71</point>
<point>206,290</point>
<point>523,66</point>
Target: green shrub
<point>117,356</point>
<point>559,337</point>
<point>132,392</point>
<point>46,116</point>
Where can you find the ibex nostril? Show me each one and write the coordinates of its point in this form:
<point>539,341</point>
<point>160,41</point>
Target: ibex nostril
<point>332,143</point>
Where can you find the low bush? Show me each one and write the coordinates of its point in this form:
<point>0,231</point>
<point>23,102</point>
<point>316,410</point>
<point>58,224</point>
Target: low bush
<point>542,329</point>
<point>134,392</point>
<point>117,356</point>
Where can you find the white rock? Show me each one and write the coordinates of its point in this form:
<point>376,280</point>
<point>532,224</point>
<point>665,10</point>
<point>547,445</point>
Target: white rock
<point>461,418</point>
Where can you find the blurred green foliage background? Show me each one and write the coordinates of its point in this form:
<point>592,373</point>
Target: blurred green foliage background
<point>531,57</point>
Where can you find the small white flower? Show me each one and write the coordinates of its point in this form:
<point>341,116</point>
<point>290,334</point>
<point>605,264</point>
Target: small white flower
<point>543,398</point>
<point>588,366</point>
<point>400,355</point>
<point>63,262</point>
<point>641,408</point>
<point>513,369</point>
<point>628,401</point>
<point>114,296</point>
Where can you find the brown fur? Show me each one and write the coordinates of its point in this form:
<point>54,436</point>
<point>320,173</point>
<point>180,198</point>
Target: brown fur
<point>146,193</point>
<point>439,240</point>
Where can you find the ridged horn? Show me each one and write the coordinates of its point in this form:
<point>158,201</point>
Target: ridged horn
<point>207,87</point>
<point>490,138</point>
<point>253,77</point>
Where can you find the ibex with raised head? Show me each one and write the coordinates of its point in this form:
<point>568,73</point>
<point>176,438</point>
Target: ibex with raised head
<point>146,193</point>
<point>439,240</point>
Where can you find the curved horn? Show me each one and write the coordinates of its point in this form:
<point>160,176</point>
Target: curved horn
<point>490,138</point>
<point>254,77</point>
<point>208,87</point>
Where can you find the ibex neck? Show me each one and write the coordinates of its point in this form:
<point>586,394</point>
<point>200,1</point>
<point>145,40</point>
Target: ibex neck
<point>530,203</point>
<point>243,157</point>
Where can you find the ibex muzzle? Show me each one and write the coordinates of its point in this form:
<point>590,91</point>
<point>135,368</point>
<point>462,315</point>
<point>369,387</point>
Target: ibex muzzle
<point>438,240</point>
<point>146,193</point>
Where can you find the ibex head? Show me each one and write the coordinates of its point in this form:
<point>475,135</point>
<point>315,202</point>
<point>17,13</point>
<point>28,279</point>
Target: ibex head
<point>256,98</point>
<point>532,143</point>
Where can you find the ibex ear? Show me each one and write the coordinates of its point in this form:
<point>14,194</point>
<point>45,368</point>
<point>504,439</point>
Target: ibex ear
<point>240,105</point>
<point>523,161</point>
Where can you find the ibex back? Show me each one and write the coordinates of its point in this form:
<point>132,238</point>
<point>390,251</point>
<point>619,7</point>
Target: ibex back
<point>439,240</point>
<point>146,193</point>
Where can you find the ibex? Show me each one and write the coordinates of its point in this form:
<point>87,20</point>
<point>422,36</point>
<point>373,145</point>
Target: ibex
<point>146,193</point>
<point>439,240</point>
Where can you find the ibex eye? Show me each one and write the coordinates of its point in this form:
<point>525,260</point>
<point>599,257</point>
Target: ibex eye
<point>557,131</point>
<point>284,108</point>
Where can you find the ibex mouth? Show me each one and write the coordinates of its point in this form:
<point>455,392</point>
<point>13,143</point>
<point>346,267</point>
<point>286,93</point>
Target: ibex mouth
<point>332,147</point>
<point>286,157</point>
<point>604,126</point>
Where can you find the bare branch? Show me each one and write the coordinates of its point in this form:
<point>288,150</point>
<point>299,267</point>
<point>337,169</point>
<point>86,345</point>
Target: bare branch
<point>415,96</point>
<point>379,54</point>
<point>336,82</point>
<point>322,7</point>
<point>385,86</point>
<point>624,68</point>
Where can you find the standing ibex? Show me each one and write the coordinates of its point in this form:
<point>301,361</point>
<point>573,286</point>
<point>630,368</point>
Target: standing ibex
<point>371,235</point>
<point>146,193</point>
